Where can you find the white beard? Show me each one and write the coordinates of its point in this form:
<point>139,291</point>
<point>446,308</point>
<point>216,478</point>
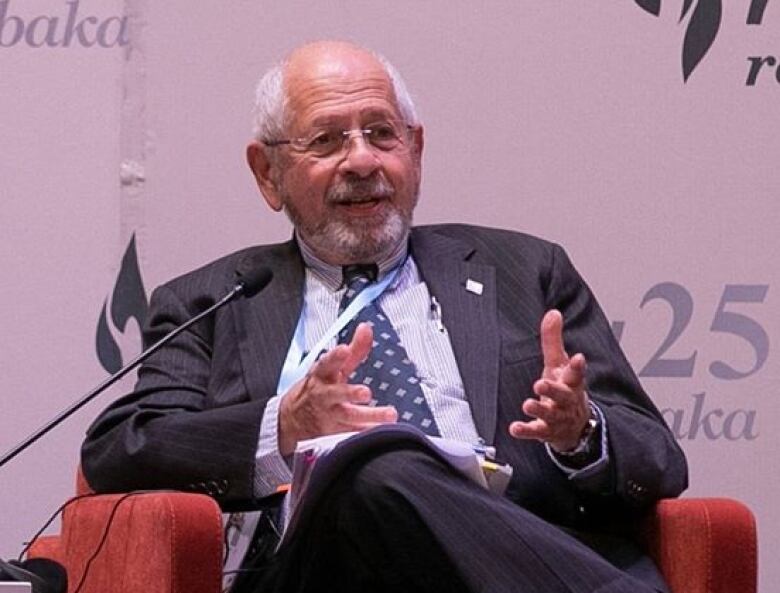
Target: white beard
<point>342,240</point>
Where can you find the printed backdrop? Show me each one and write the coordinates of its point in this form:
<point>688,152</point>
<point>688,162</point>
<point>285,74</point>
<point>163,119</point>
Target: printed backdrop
<point>640,134</point>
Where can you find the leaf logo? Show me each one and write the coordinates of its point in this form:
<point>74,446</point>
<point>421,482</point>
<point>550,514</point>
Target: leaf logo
<point>756,13</point>
<point>703,27</point>
<point>128,301</point>
<point>701,32</point>
<point>651,6</point>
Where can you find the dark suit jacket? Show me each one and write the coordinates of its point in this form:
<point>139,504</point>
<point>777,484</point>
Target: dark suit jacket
<point>193,420</point>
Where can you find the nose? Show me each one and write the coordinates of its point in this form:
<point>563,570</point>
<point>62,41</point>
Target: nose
<point>360,158</point>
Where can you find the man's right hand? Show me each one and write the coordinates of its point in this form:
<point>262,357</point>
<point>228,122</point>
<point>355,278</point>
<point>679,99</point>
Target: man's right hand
<point>324,403</point>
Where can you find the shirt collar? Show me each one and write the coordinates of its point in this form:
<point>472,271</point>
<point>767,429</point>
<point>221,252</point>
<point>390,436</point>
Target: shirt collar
<point>332,276</point>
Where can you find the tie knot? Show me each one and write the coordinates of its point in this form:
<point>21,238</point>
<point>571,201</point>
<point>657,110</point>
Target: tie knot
<point>362,273</point>
<point>356,278</point>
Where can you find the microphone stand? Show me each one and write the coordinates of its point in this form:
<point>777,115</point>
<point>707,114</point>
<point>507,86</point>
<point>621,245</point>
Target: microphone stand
<point>237,290</point>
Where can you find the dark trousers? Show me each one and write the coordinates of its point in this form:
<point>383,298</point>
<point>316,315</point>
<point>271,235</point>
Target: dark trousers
<point>403,520</point>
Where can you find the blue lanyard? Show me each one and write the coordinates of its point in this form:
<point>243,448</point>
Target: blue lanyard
<point>294,368</point>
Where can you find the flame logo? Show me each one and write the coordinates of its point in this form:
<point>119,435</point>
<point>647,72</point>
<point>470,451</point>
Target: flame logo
<point>128,301</point>
<point>703,26</point>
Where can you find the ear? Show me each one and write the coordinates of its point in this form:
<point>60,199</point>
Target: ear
<point>260,164</point>
<point>417,148</point>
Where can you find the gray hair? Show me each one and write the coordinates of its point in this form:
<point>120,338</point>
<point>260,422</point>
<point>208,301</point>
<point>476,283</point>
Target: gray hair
<point>270,109</point>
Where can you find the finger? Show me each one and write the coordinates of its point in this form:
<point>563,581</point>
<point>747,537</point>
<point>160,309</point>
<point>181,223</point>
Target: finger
<point>553,350</point>
<point>329,366</point>
<point>359,347</point>
<point>537,408</point>
<point>355,416</point>
<point>358,394</point>
<point>554,391</point>
<point>574,372</point>
<point>330,396</point>
<point>369,425</point>
<point>535,429</point>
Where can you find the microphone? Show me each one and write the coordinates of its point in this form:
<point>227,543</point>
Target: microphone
<point>255,281</point>
<point>248,286</point>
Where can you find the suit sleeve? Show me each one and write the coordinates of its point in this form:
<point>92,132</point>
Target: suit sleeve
<point>190,423</point>
<point>645,462</point>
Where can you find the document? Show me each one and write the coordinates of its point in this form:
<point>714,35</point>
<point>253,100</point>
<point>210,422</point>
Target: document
<point>473,461</point>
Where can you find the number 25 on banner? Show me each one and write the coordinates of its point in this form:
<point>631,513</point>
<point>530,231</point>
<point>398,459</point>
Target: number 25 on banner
<point>725,320</point>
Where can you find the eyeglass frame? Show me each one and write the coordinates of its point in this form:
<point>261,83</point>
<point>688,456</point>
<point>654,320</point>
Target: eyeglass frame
<point>346,135</point>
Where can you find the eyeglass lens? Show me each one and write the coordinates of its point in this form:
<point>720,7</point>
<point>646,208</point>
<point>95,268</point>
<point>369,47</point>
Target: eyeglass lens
<point>323,142</point>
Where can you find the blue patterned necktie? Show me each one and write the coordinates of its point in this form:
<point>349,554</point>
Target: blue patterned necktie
<point>387,370</point>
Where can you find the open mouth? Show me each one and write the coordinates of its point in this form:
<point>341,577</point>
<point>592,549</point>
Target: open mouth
<point>363,198</point>
<point>362,205</point>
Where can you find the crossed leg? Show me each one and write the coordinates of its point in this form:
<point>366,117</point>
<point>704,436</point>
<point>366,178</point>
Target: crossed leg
<point>403,520</point>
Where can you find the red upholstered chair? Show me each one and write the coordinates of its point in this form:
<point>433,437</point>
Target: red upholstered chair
<point>704,545</point>
<point>157,542</point>
<point>171,542</point>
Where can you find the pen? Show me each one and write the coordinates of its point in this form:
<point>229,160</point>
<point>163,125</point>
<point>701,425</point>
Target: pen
<point>436,314</point>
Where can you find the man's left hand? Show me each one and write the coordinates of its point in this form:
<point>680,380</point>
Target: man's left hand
<point>561,411</point>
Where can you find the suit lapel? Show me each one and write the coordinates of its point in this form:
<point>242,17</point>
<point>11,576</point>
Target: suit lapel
<point>266,322</point>
<point>470,317</point>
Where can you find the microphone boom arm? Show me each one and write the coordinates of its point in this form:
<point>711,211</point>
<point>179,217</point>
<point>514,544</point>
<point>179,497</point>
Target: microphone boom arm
<point>237,290</point>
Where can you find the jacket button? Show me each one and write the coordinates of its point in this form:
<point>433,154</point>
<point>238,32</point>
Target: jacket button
<point>636,490</point>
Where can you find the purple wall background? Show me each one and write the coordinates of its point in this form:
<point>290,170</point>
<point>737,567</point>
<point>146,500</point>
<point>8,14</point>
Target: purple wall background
<point>566,120</point>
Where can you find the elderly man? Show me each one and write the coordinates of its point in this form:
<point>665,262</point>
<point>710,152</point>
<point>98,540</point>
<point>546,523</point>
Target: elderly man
<point>458,331</point>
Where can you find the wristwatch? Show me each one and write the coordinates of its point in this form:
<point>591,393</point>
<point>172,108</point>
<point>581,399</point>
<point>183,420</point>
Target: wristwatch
<point>588,442</point>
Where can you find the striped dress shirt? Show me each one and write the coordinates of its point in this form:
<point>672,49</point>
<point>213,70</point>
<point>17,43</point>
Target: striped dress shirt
<point>416,318</point>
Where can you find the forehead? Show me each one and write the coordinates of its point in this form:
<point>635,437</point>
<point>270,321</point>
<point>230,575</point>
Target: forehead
<point>342,85</point>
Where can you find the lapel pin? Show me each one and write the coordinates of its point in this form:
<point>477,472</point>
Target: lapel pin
<point>474,286</point>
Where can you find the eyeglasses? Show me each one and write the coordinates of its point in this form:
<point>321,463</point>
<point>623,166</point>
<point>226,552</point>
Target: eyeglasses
<point>330,140</point>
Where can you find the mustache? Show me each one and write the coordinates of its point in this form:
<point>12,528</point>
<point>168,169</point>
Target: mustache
<point>359,190</point>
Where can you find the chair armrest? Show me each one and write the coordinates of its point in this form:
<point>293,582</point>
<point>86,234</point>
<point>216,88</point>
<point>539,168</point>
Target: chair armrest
<point>704,545</point>
<point>46,546</point>
<point>156,542</point>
